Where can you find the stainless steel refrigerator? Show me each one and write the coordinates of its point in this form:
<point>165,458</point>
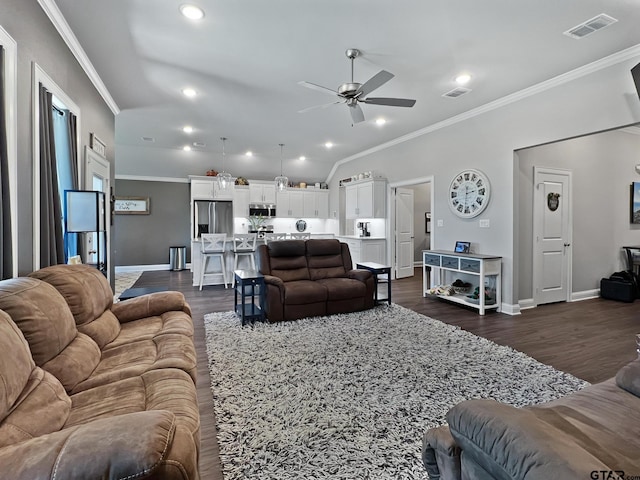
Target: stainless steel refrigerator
<point>212,217</point>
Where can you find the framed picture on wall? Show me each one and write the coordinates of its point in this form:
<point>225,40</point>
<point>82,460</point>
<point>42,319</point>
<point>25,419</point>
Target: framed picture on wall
<point>635,203</point>
<point>131,205</point>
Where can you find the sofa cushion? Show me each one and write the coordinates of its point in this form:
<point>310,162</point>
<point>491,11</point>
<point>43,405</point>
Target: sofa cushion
<point>324,258</point>
<point>304,291</point>
<point>343,288</point>
<point>287,260</point>
<point>628,378</point>
<point>32,401</point>
<point>44,318</point>
<point>88,294</point>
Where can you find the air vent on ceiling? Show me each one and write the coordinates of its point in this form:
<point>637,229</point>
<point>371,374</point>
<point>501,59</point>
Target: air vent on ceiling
<point>148,139</point>
<point>199,144</point>
<point>590,26</point>
<point>456,92</point>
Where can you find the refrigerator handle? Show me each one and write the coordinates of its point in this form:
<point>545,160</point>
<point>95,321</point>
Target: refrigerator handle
<point>212,217</point>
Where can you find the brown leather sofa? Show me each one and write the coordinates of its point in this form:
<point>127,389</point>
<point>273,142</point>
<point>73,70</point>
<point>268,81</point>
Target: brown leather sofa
<point>307,278</point>
<point>107,394</point>
<point>592,433</point>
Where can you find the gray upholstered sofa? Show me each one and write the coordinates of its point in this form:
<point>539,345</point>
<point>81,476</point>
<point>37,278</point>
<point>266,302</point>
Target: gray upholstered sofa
<point>590,434</point>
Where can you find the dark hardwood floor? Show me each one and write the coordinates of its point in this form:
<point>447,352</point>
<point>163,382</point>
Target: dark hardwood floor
<point>591,339</point>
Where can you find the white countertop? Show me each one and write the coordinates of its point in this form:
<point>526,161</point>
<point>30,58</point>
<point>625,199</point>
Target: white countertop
<point>356,237</point>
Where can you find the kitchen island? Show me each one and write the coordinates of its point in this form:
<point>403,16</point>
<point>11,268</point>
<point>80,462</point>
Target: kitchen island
<point>365,249</point>
<point>196,263</point>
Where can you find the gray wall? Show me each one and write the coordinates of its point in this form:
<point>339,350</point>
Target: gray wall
<point>145,239</point>
<point>602,167</point>
<point>591,101</point>
<point>38,41</point>
<point>421,204</point>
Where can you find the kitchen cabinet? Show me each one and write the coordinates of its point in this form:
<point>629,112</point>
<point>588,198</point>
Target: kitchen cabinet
<point>366,249</point>
<point>207,188</point>
<point>315,204</point>
<point>241,201</point>
<point>366,199</point>
<point>290,204</point>
<point>264,193</point>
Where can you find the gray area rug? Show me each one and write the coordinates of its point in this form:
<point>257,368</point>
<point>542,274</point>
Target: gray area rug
<point>350,396</point>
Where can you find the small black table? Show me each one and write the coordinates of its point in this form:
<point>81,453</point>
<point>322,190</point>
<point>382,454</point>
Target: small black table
<point>139,291</point>
<point>378,269</point>
<point>249,283</point>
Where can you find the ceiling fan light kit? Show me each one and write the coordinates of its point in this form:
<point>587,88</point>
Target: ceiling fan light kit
<point>351,93</point>
<point>282,182</point>
<point>225,180</point>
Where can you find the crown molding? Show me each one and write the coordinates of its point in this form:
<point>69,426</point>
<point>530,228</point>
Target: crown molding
<point>613,59</point>
<point>55,16</point>
<point>143,178</point>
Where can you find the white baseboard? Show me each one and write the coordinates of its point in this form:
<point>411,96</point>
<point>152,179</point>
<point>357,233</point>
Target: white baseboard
<point>510,309</point>
<point>145,268</point>
<point>585,295</point>
<point>526,304</point>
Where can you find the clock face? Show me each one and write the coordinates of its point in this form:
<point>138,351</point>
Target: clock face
<point>469,193</point>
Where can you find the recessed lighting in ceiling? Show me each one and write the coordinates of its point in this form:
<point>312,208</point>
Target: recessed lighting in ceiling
<point>249,153</point>
<point>380,121</point>
<point>187,129</point>
<point>189,92</point>
<point>303,158</point>
<point>187,148</point>
<point>463,79</point>
<point>328,145</point>
<point>192,12</point>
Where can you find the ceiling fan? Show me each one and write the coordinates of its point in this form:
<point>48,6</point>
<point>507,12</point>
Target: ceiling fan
<point>352,92</point>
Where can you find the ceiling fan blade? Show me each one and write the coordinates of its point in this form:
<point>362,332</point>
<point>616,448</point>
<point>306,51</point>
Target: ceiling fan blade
<point>357,115</point>
<point>320,106</point>
<point>319,88</point>
<point>374,82</point>
<point>391,102</point>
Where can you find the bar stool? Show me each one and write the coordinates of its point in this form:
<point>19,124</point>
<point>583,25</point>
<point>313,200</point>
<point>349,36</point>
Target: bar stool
<point>274,237</point>
<point>300,236</point>
<point>213,246</point>
<point>244,244</point>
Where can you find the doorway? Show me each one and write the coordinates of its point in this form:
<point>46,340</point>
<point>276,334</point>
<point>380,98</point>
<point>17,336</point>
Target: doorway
<point>97,174</point>
<point>410,210</point>
<point>552,231</point>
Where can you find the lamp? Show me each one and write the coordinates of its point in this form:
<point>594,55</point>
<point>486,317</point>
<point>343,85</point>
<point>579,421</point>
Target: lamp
<point>225,180</point>
<point>282,182</point>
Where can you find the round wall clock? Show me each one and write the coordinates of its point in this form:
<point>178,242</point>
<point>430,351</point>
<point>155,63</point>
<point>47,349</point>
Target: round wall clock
<point>469,193</point>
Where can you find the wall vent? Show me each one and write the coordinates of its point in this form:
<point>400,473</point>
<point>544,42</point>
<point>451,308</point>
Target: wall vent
<point>590,26</point>
<point>456,92</point>
<point>199,144</point>
<point>148,139</point>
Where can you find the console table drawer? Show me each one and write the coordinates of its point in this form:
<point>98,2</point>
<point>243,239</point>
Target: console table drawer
<point>470,265</point>
<point>432,260</point>
<point>450,262</point>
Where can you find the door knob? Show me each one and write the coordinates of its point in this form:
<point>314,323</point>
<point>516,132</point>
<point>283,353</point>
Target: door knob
<point>567,244</point>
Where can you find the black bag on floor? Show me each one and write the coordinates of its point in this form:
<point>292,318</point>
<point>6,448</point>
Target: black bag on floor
<point>620,286</point>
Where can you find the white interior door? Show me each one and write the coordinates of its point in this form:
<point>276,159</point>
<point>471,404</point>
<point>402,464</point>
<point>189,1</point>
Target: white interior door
<point>551,235</point>
<point>404,233</point>
<point>97,174</point>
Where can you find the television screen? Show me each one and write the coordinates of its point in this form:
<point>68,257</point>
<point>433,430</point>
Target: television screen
<point>635,73</point>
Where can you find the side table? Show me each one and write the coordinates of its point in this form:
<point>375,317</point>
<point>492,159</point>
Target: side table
<point>378,269</point>
<point>249,284</point>
<point>139,291</point>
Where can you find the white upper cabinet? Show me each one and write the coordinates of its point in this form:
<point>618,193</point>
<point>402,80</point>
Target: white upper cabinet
<point>206,188</point>
<point>316,204</point>
<point>241,202</point>
<point>366,199</point>
<point>290,204</point>
<point>262,193</point>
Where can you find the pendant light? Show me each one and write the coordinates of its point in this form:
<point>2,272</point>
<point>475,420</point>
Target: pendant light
<point>225,180</point>
<point>282,182</point>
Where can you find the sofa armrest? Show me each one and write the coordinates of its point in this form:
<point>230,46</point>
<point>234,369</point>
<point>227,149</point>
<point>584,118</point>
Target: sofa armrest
<point>150,305</point>
<point>440,454</point>
<point>276,282</point>
<point>126,446</point>
<point>362,275</point>
<point>509,443</point>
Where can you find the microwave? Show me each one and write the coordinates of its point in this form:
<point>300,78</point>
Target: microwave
<point>266,211</point>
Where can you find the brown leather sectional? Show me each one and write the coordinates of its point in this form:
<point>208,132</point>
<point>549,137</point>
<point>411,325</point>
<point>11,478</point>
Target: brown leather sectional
<point>92,389</point>
<point>307,278</point>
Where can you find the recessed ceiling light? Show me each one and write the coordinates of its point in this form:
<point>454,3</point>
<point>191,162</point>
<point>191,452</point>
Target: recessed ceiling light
<point>187,129</point>
<point>186,148</point>
<point>463,79</point>
<point>303,158</point>
<point>380,121</point>
<point>189,92</point>
<point>249,153</point>
<point>191,12</point>
<point>328,144</point>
